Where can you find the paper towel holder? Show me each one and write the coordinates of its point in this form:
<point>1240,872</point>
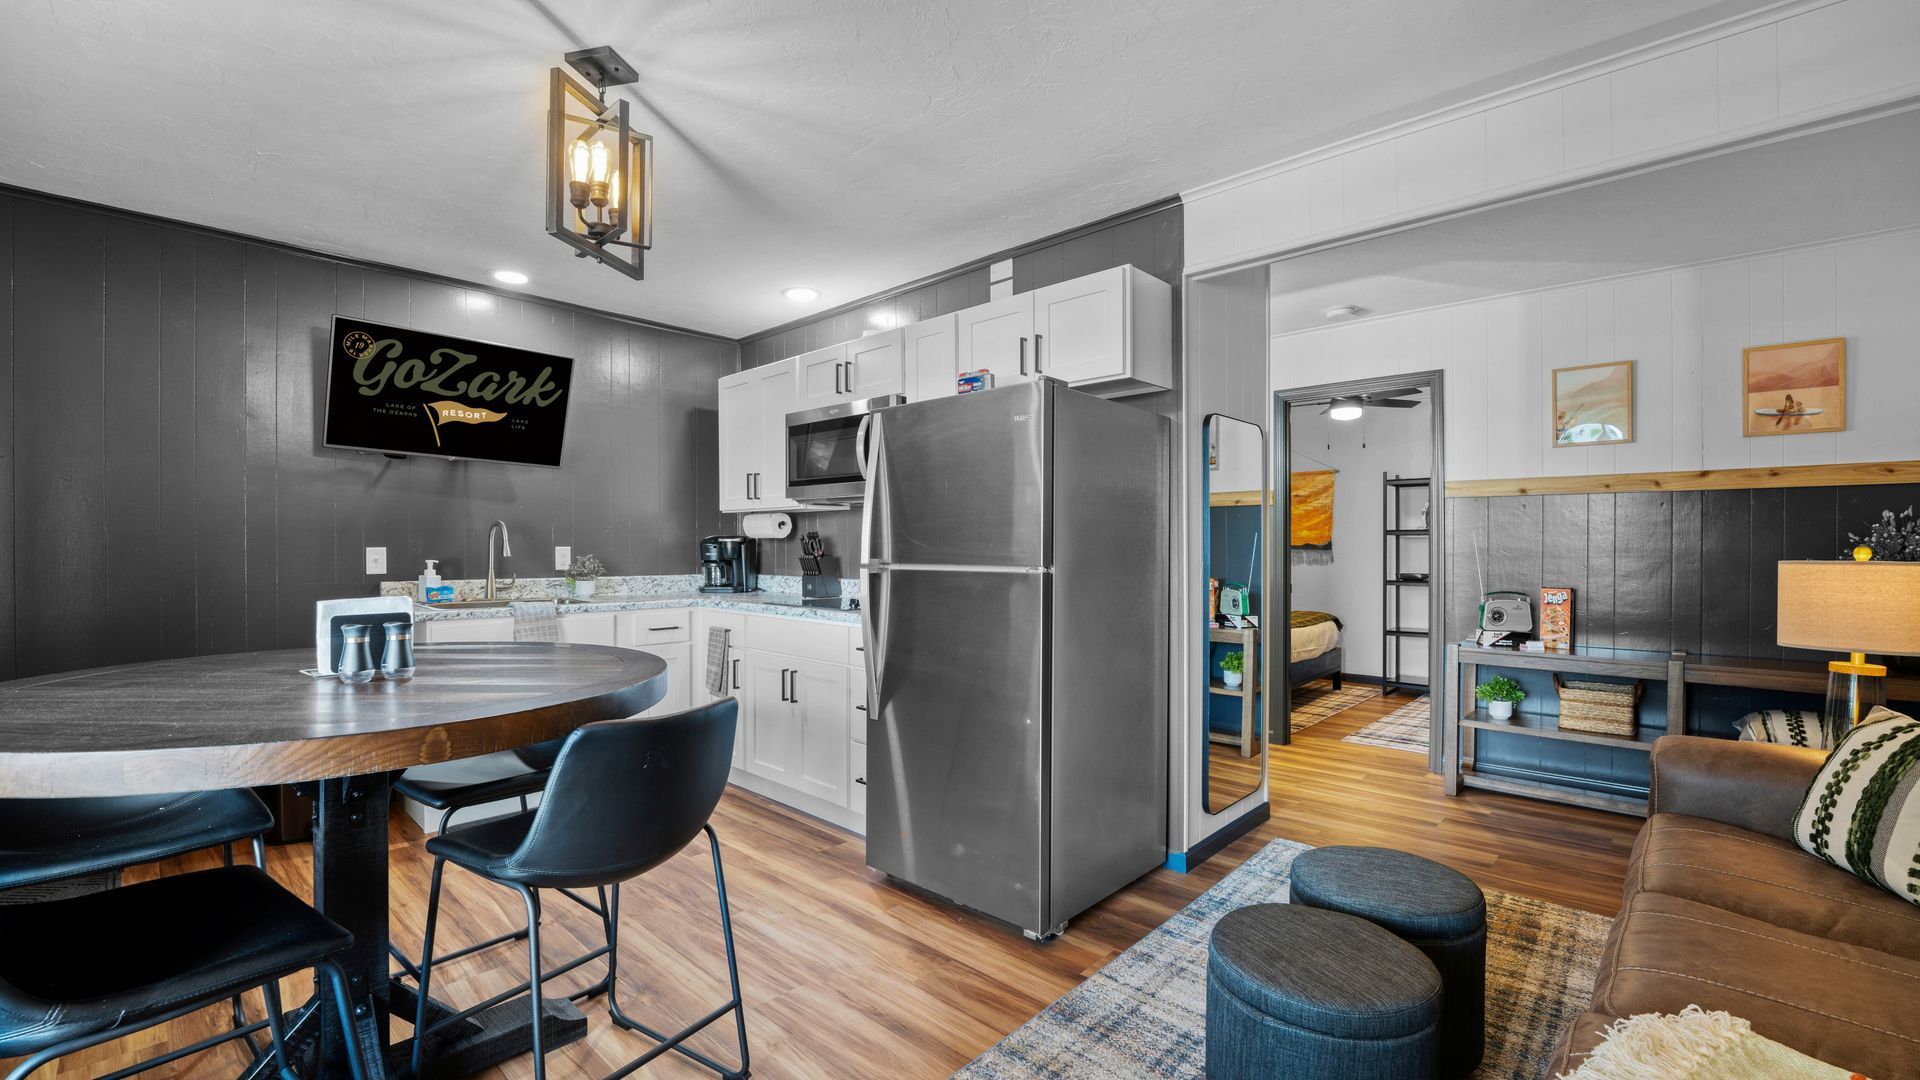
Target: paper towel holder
<point>767,526</point>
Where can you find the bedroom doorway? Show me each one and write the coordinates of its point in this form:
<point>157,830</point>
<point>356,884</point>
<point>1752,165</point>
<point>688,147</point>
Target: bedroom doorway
<point>1359,553</point>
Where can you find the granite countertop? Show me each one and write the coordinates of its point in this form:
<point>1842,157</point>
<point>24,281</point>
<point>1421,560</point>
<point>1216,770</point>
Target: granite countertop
<point>641,594</point>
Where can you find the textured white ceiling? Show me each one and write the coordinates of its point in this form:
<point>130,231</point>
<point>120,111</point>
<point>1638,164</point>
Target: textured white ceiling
<point>850,145</point>
<point>1845,182</point>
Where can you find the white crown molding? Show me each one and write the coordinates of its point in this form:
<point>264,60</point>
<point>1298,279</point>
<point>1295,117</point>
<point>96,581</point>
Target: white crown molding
<point>1667,46</point>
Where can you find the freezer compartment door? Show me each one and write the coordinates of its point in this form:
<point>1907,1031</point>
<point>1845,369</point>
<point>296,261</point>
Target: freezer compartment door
<point>960,481</point>
<point>955,742</point>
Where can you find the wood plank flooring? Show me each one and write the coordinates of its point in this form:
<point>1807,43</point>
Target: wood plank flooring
<point>845,976</point>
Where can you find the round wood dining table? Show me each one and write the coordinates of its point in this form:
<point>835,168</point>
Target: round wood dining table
<point>252,719</point>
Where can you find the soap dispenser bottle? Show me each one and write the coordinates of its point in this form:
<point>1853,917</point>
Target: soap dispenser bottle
<point>430,588</point>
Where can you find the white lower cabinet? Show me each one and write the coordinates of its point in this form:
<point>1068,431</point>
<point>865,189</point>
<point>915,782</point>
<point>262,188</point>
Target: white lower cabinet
<point>454,631</point>
<point>797,722</point>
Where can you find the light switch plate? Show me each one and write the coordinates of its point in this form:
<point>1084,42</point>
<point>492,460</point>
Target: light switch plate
<point>376,560</point>
<point>562,558</point>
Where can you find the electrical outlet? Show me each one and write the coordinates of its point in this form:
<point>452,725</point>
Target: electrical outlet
<point>376,560</point>
<point>562,558</point>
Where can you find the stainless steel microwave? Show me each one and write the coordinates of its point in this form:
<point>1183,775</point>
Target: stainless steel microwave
<point>825,458</point>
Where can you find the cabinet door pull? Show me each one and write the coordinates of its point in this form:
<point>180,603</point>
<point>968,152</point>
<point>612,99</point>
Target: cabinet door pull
<point>736,673</point>
<point>793,686</point>
<point>1023,354</point>
<point>861,780</point>
<point>859,708</point>
<point>849,376</point>
<point>836,379</point>
<point>783,685</point>
<point>668,627</point>
<point>1036,354</point>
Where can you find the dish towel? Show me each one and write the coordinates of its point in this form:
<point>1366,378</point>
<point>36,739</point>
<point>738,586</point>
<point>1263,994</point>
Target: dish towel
<point>535,620</point>
<point>717,660</point>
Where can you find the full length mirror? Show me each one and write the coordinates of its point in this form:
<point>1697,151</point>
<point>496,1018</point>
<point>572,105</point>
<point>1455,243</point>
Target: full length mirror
<point>1235,492</point>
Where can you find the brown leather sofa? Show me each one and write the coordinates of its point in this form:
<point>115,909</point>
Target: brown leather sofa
<point>1723,911</point>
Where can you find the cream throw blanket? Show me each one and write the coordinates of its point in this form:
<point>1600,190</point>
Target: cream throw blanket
<point>1697,1045</point>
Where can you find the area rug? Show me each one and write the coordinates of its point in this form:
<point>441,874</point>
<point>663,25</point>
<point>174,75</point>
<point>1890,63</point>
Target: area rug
<point>1318,700</point>
<point>1405,728</point>
<point>1144,1013</point>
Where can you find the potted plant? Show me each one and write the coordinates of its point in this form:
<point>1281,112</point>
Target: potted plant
<point>583,575</point>
<point>1232,667</point>
<point>1499,693</point>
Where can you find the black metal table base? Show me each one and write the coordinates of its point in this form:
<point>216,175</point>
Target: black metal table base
<point>486,1038</point>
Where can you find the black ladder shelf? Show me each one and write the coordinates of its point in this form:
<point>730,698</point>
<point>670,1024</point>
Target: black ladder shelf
<point>1392,536</point>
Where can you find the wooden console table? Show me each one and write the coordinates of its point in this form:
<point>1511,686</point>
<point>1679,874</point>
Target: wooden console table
<point>1677,670</point>
<point>1248,638</point>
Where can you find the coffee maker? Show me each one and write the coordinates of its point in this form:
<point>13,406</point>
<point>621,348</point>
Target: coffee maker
<point>727,565</point>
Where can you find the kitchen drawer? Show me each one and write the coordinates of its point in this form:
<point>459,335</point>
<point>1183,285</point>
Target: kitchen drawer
<point>639,628</point>
<point>590,628</point>
<point>806,638</point>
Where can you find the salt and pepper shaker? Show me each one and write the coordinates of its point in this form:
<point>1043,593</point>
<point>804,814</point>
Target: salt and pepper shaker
<point>396,662</point>
<point>356,660</point>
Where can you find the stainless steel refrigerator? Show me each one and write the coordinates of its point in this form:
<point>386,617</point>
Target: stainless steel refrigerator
<point>1014,580</point>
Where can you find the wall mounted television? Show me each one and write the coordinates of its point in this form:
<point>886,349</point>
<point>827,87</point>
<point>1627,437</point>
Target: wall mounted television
<point>396,391</point>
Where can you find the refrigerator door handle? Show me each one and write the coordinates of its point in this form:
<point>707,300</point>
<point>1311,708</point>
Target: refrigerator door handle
<point>870,628</point>
<point>871,444</point>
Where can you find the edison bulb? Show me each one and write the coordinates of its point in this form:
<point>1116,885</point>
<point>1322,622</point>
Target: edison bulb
<point>613,190</point>
<point>577,159</point>
<point>599,168</point>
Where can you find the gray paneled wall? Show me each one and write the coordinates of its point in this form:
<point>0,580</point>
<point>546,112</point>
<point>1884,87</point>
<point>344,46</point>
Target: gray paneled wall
<point>1153,242</point>
<point>1689,570</point>
<point>164,491</point>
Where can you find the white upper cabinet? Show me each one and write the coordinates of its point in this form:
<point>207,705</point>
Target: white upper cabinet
<point>874,365</point>
<point>997,337</point>
<point>1110,332</point>
<point>753,408</point>
<point>740,438</point>
<point>929,356</point>
<point>822,378</point>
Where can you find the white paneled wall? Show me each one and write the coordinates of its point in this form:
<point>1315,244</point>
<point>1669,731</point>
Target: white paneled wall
<point>1741,80</point>
<point>1684,329</point>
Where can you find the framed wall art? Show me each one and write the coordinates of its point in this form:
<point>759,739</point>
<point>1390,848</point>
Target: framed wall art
<point>1799,388</point>
<point>1593,404</point>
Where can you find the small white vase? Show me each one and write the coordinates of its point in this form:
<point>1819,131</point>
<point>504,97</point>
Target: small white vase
<point>583,588</point>
<point>1500,710</point>
<point>1231,678</point>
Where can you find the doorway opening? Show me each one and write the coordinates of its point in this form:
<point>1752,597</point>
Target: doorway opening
<point>1359,474</point>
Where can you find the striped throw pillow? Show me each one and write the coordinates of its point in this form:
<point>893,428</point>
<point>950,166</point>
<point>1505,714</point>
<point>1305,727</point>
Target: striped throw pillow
<point>1791,727</point>
<point>1862,813</point>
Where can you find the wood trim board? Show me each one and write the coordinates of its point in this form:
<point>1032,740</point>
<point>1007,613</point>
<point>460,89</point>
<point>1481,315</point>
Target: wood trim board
<point>1769,476</point>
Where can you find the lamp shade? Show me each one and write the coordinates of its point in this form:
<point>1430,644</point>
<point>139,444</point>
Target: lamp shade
<point>1866,607</point>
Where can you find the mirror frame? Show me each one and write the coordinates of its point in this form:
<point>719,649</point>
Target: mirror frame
<point>1263,707</point>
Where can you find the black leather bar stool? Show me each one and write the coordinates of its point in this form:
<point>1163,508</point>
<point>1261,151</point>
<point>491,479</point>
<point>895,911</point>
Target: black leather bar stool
<point>78,972</point>
<point>457,786</point>
<point>624,797</point>
<point>47,841</point>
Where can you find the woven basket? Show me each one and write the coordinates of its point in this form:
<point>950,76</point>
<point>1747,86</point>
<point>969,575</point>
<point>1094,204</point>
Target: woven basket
<point>1598,708</point>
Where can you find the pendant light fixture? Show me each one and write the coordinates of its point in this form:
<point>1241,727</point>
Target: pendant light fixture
<point>599,170</point>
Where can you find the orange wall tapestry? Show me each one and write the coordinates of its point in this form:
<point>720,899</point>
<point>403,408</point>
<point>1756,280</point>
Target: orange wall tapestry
<point>1312,526</point>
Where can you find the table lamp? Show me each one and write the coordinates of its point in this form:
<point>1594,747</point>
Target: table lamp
<point>1856,607</point>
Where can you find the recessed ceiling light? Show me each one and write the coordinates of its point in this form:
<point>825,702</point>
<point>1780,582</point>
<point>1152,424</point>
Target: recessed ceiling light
<point>509,277</point>
<point>1345,410</point>
<point>1343,311</point>
<point>800,294</point>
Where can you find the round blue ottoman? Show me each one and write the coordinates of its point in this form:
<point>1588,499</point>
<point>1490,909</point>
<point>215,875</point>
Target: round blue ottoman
<point>1307,994</point>
<point>1436,909</point>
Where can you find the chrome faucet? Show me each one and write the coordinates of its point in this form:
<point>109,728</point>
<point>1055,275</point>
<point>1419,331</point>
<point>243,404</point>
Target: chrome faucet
<point>506,552</point>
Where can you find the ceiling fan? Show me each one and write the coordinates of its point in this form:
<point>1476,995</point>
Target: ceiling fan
<point>1351,406</point>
